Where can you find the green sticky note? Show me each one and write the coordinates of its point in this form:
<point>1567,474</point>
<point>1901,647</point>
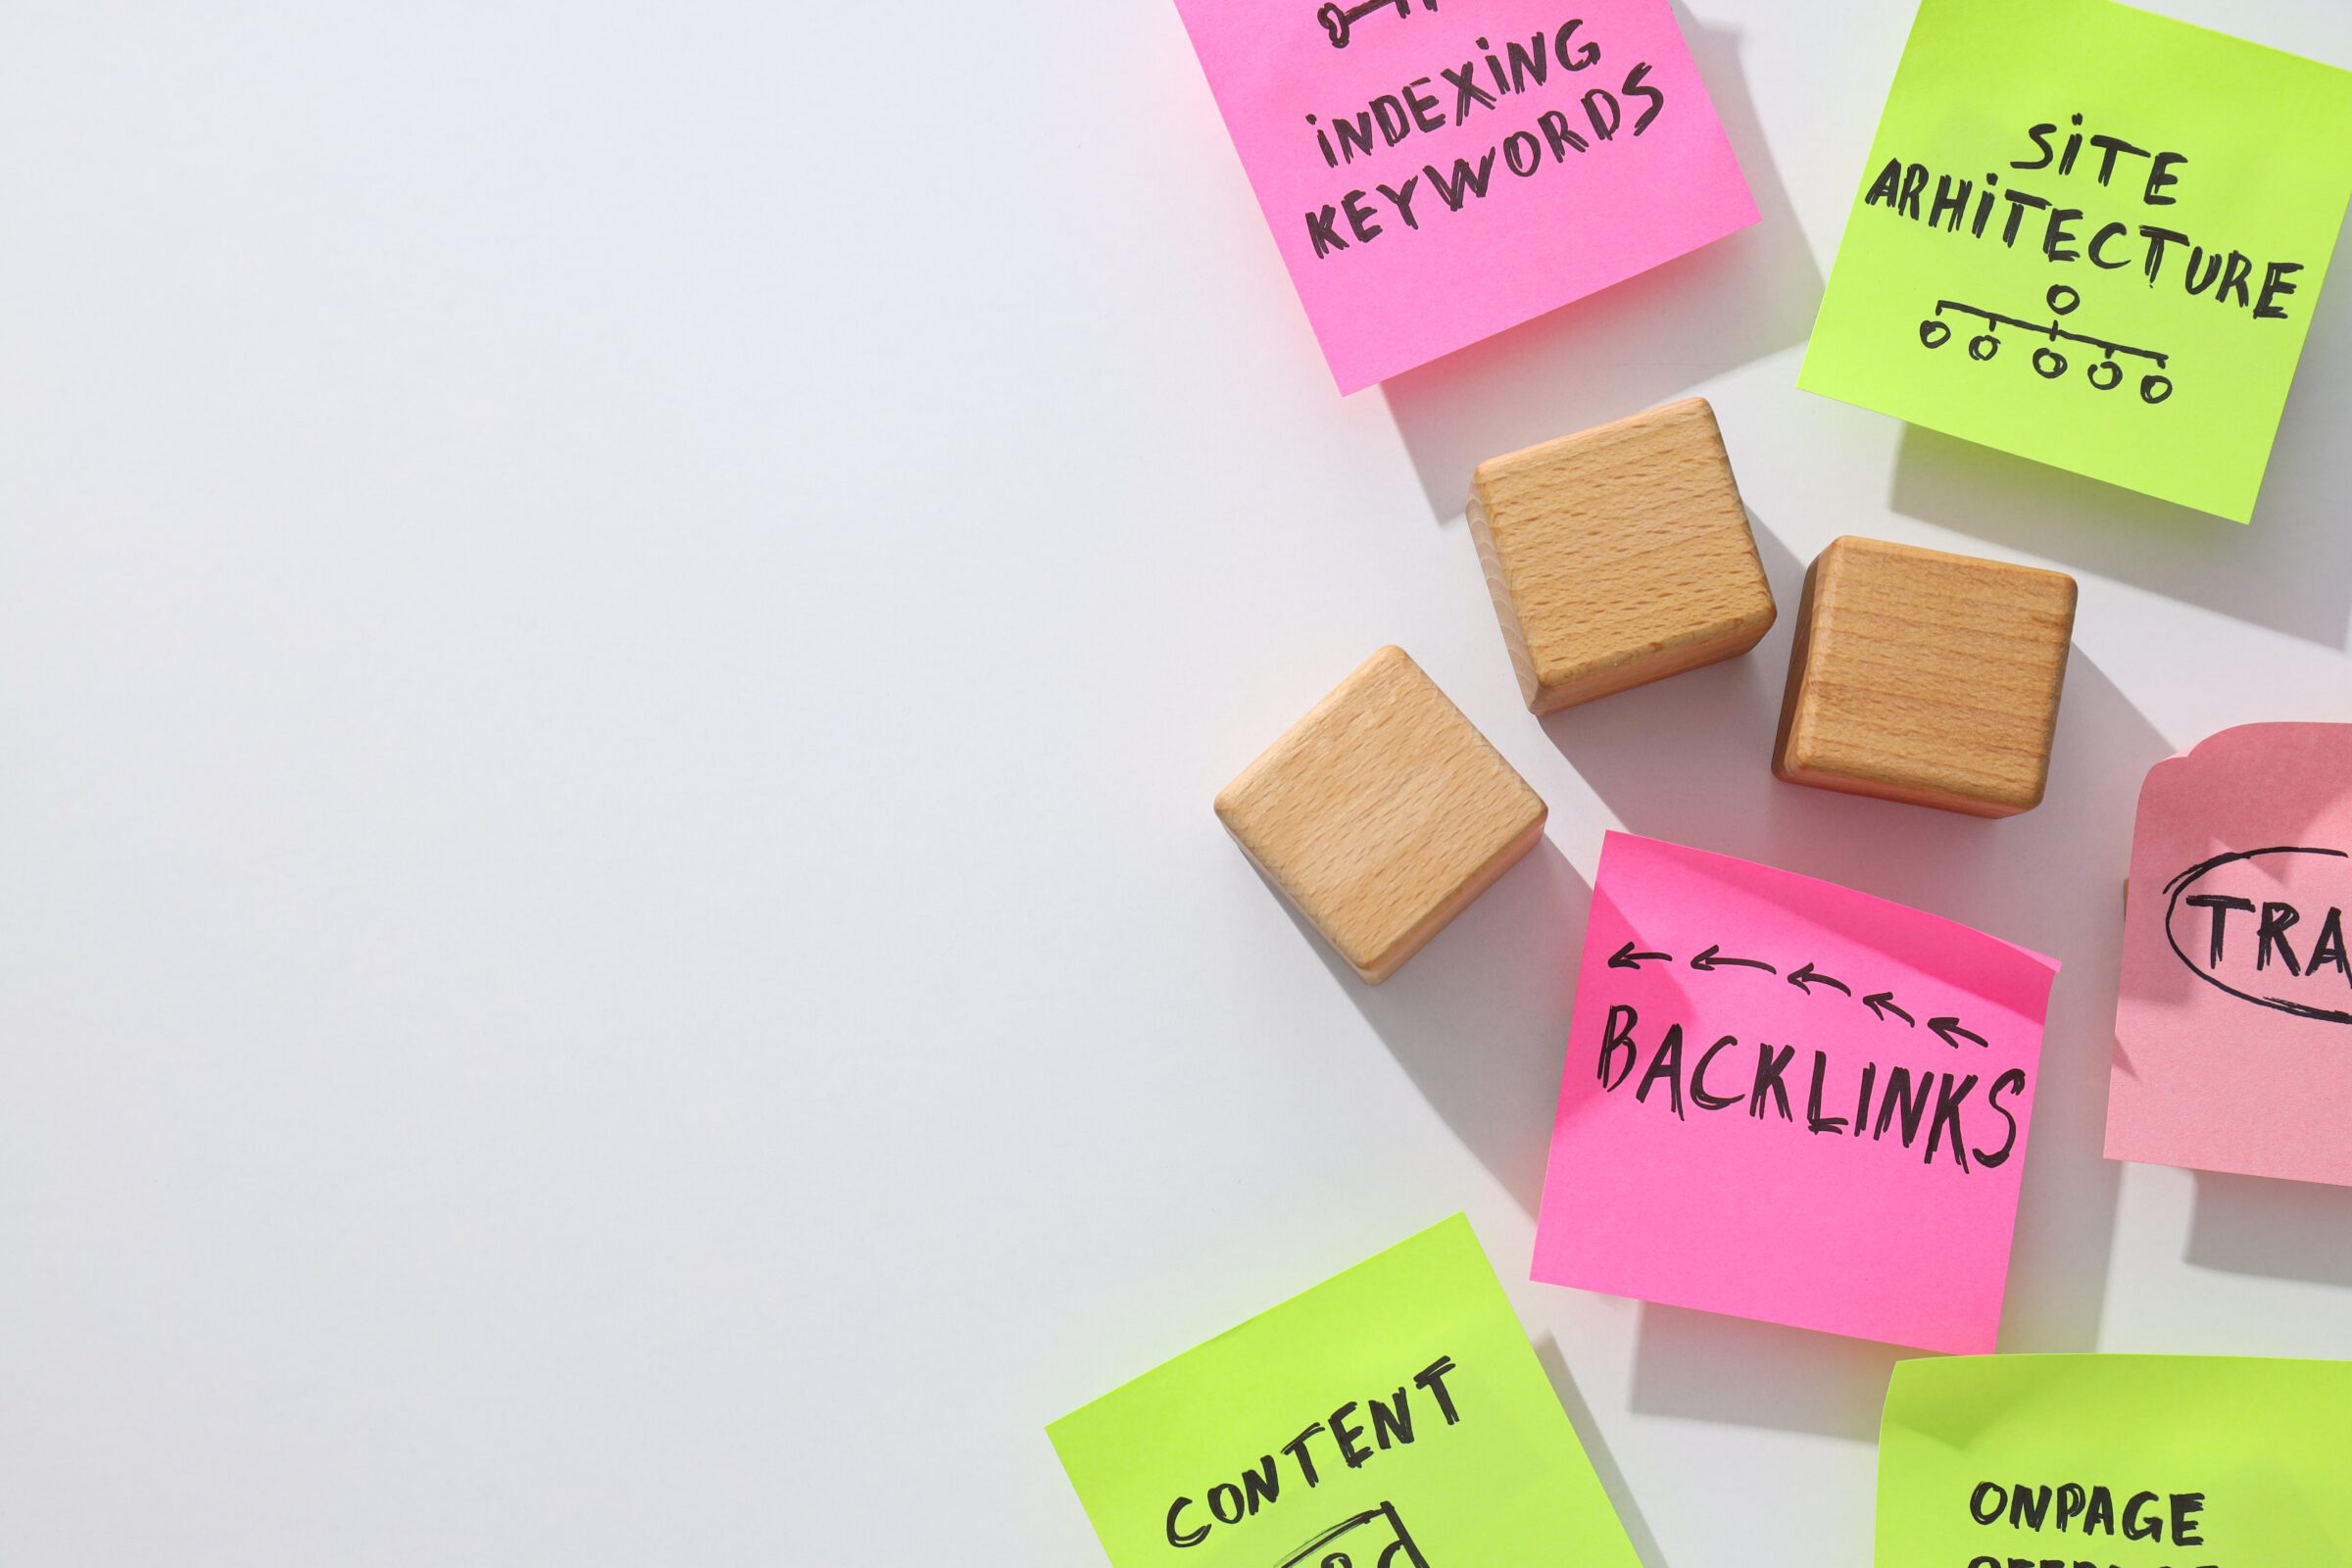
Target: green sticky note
<point>2093,237</point>
<point>1392,1417</point>
<point>2140,1461</point>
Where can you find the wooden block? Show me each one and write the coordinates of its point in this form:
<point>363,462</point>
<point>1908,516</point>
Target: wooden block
<point>1382,813</point>
<point>1619,556</point>
<point>1926,677</point>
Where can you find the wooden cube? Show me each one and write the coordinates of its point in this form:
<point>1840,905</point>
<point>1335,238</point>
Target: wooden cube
<point>1926,677</point>
<point>1382,813</point>
<point>1619,556</point>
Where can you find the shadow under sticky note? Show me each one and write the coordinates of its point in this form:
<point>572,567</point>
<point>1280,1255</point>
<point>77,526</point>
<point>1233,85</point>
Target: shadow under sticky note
<point>1789,1101</point>
<point>2071,243</point>
<point>1393,1416</point>
<point>2233,1023</point>
<point>2184,1460</point>
<point>1419,166</point>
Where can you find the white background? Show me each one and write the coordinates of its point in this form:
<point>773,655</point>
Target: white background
<point>617,623</point>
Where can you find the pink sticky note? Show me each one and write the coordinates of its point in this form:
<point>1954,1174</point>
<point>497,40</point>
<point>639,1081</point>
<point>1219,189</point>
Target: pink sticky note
<point>1433,175</point>
<point>1789,1101</point>
<point>2234,1027</point>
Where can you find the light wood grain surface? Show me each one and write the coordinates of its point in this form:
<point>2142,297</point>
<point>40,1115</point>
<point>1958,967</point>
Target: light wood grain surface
<point>1619,556</point>
<point>1928,678</point>
<point>1382,813</point>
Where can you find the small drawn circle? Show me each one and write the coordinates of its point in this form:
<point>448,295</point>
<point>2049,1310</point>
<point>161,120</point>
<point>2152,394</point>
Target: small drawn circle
<point>1337,1559</point>
<point>2064,299</point>
<point>2049,363</point>
<point>1933,333</point>
<point>2106,375</point>
<point>1984,346</point>
<point>2155,388</point>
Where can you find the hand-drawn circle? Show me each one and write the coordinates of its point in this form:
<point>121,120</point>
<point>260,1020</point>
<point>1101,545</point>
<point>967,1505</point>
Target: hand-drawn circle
<point>2049,363</point>
<point>1984,346</point>
<point>2155,388</point>
<point>1933,333</point>
<point>2112,377</point>
<point>2064,299</point>
<point>2190,880</point>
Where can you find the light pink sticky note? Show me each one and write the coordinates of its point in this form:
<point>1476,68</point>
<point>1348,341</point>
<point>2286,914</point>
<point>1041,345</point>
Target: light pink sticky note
<point>2234,1027</point>
<point>1587,130</point>
<point>1789,1101</point>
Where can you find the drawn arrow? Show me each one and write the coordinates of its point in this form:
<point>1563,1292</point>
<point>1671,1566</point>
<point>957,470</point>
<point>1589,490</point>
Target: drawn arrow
<point>1806,978</point>
<point>1713,958</point>
<point>1945,1028</point>
<point>1882,1003</point>
<point>1626,957</point>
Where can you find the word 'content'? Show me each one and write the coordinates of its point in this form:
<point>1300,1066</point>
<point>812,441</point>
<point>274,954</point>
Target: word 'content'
<point>1350,1435</point>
